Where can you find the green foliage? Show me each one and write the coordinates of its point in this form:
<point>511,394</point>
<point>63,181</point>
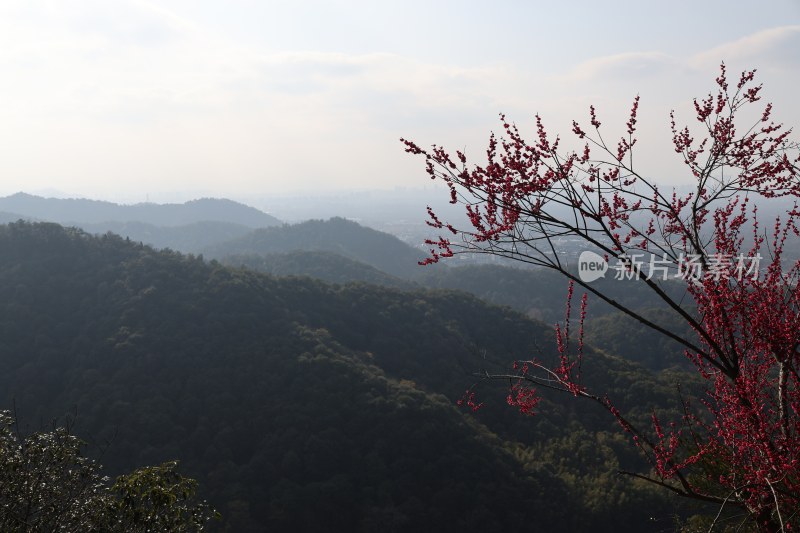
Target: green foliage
<point>155,498</point>
<point>619,334</point>
<point>46,484</point>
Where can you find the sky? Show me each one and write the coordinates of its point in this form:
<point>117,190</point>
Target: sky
<point>134,100</point>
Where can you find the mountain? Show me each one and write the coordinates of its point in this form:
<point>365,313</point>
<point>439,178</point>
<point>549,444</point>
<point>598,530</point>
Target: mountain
<point>82,211</point>
<point>302,406</point>
<point>338,235</point>
<point>541,292</point>
<point>340,251</point>
<point>189,238</point>
<point>326,266</point>
<point>6,217</point>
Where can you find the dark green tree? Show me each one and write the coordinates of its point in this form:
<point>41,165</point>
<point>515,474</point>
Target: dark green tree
<point>46,484</point>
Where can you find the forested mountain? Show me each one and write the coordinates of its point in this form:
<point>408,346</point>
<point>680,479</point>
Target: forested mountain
<point>326,266</point>
<point>622,335</point>
<point>74,211</point>
<point>5,217</point>
<point>338,235</point>
<point>301,406</point>
<point>540,292</point>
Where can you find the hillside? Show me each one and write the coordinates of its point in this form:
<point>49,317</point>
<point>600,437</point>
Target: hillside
<point>338,235</point>
<point>325,266</point>
<point>189,238</point>
<point>302,406</point>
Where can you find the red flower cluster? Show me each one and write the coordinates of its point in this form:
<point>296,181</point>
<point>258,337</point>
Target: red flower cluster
<point>468,400</point>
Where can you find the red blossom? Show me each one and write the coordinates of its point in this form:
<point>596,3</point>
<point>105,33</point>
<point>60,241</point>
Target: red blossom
<point>468,400</point>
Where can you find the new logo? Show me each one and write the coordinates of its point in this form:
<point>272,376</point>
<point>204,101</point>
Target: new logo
<point>591,266</point>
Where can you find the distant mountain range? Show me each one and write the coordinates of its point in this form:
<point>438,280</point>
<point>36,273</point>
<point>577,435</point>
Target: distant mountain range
<point>188,227</point>
<point>80,211</point>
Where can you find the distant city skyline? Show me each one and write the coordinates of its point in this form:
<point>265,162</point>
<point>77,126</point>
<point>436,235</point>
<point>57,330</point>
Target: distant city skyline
<point>128,99</point>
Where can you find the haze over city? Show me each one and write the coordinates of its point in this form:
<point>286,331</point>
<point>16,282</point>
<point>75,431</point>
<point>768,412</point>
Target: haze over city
<point>137,101</point>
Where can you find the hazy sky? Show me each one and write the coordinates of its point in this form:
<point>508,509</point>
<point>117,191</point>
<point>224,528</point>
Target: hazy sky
<point>125,99</point>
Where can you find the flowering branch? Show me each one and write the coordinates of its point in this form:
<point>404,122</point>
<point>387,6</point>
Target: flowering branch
<point>528,196</point>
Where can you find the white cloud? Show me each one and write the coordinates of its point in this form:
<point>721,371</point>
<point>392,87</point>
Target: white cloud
<point>622,67</point>
<point>775,48</point>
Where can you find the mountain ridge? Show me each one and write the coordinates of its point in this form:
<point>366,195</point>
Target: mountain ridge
<point>77,211</point>
<point>337,234</point>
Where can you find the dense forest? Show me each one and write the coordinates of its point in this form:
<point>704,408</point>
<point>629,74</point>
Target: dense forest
<point>300,405</point>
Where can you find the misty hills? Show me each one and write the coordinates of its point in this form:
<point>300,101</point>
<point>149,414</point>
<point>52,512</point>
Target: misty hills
<point>78,211</point>
<point>337,235</point>
<point>188,227</point>
<point>5,218</point>
<point>302,406</point>
<point>188,238</point>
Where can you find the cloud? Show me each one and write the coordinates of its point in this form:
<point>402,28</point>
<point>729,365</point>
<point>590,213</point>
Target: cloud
<point>382,89</point>
<point>774,48</point>
<point>623,67</point>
